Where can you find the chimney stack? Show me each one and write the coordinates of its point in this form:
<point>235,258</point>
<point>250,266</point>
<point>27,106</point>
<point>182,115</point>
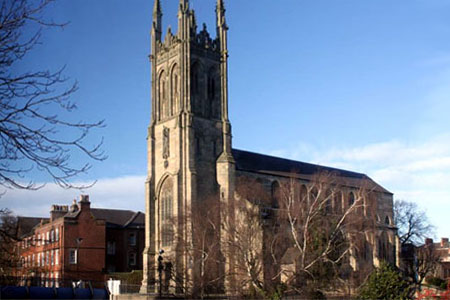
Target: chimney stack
<point>428,241</point>
<point>57,211</point>
<point>74,206</point>
<point>84,202</point>
<point>444,242</point>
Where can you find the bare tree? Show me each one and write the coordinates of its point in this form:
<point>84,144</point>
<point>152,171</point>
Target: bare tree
<point>36,132</point>
<point>418,263</point>
<point>296,236</point>
<point>413,225</point>
<point>245,237</point>
<point>427,259</point>
<point>325,229</point>
<point>201,245</point>
<point>9,258</point>
<point>302,235</point>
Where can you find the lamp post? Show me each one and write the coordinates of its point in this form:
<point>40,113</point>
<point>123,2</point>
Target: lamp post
<point>160,269</point>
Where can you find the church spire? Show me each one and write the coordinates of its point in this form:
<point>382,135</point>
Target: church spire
<point>156,8</point>
<point>220,12</point>
<point>157,20</point>
<point>184,6</point>
<point>222,29</point>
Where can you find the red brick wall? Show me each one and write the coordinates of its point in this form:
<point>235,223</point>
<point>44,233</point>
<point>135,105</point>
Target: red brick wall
<point>91,249</point>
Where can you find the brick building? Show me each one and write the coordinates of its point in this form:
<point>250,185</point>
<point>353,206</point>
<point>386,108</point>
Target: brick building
<point>442,249</point>
<point>79,242</point>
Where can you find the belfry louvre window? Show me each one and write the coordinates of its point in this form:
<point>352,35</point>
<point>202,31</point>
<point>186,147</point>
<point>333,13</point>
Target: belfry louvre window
<point>166,200</point>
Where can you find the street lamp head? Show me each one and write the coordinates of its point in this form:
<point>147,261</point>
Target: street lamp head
<point>161,251</point>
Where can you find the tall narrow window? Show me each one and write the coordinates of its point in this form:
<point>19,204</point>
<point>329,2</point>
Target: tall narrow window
<point>212,94</point>
<point>275,194</point>
<point>302,197</point>
<point>337,202</point>
<point>163,103</point>
<point>73,256</point>
<point>314,197</point>
<point>351,199</point>
<point>328,204</point>
<point>166,199</point>
<point>175,93</point>
<point>211,87</point>
<point>197,89</point>
<point>383,246</point>
<point>132,239</point>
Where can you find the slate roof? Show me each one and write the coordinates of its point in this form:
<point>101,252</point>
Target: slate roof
<point>119,218</point>
<point>266,164</point>
<point>114,218</point>
<point>26,224</point>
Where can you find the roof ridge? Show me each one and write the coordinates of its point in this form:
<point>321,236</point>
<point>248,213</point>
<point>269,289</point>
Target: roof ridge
<point>133,217</point>
<point>115,209</point>
<point>298,161</point>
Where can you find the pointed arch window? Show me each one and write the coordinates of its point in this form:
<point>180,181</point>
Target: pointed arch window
<point>337,202</point>
<point>275,194</point>
<point>351,199</point>
<point>175,90</point>
<point>387,221</point>
<point>212,92</point>
<point>166,209</point>
<point>313,197</point>
<point>197,89</point>
<point>211,86</point>
<point>162,96</point>
<point>328,203</point>
<point>303,195</point>
<point>383,246</point>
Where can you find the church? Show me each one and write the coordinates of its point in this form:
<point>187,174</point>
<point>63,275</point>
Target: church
<point>191,158</point>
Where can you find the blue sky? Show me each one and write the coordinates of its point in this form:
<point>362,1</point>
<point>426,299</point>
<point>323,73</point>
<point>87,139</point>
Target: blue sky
<point>361,85</point>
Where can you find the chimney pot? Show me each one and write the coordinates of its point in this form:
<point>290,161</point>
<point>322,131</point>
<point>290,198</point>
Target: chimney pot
<point>57,211</point>
<point>84,198</point>
<point>428,241</point>
<point>74,206</point>
<point>84,203</point>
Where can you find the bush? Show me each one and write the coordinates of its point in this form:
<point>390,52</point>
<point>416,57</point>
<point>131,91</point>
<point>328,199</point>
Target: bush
<point>385,283</point>
<point>436,281</point>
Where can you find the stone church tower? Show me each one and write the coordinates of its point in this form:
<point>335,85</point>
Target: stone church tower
<point>193,171</point>
<point>189,137</point>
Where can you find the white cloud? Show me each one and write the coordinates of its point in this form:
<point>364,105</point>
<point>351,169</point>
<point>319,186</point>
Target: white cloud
<point>117,193</point>
<point>418,172</point>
